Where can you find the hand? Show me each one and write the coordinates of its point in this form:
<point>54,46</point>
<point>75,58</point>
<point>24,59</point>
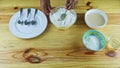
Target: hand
<point>45,4</point>
<point>71,4</point>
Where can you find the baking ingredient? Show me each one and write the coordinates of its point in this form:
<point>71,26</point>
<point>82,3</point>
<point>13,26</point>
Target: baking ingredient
<point>92,42</point>
<point>95,19</point>
<point>56,17</point>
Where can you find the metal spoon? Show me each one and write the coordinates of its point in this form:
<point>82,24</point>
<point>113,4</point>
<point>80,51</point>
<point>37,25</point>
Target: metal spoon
<point>20,21</point>
<point>27,22</point>
<point>33,22</point>
<point>63,16</point>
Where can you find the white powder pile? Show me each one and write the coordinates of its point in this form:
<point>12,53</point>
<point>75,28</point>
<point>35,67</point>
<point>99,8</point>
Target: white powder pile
<point>92,42</point>
<point>68,21</point>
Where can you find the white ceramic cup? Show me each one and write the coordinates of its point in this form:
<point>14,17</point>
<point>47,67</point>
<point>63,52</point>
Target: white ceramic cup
<point>105,17</point>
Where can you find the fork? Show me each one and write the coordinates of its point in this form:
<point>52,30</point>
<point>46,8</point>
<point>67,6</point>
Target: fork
<point>33,22</point>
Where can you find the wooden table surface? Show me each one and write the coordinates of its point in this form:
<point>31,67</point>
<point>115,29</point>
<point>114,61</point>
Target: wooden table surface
<point>55,48</point>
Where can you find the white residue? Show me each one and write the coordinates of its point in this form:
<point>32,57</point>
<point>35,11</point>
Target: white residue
<point>92,42</point>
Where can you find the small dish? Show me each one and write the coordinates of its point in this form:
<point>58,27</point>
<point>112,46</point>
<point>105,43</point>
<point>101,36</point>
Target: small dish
<point>94,40</point>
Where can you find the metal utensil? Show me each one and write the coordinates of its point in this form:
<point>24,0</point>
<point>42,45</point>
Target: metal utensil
<point>27,22</point>
<point>20,21</point>
<point>33,22</point>
<point>63,16</point>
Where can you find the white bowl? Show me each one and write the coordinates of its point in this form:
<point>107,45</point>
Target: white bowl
<point>69,20</point>
<point>97,11</point>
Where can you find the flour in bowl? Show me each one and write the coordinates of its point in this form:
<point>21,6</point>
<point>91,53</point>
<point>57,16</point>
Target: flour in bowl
<point>68,21</point>
<point>92,42</point>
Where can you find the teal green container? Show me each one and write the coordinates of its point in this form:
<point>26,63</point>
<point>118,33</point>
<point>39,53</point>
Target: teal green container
<point>94,40</point>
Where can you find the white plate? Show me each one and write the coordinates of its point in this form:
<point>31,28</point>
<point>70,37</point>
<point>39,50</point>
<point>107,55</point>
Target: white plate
<point>28,31</point>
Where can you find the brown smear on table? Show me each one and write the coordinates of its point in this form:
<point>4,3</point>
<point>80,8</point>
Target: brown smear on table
<point>89,5</point>
<point>30,55</point>
<point>15,7</point>
<point>111,53</point>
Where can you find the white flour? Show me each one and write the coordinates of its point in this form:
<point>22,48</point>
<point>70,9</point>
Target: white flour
<point>92,42</point>
<point>68,21</point>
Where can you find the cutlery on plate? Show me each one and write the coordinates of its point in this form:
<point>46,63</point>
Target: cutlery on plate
<point>20,21</point>
<point>33,22</point>
<point>27,21</point>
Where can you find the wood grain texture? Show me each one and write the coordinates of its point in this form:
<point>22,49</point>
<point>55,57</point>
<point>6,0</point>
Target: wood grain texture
<point>56,48</point>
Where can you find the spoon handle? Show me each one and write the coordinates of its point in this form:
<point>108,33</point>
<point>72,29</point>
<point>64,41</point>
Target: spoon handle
<point>67,9</point>
<point>35,12</point>
<point>21,11</point>
<point>29,10</point>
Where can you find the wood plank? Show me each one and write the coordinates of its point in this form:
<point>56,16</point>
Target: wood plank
<point>109,6</point>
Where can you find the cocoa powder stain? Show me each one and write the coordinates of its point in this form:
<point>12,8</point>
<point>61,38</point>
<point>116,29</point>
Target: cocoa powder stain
<point>88,3</point>
<point>111,53</point>
<point>15,7</point>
